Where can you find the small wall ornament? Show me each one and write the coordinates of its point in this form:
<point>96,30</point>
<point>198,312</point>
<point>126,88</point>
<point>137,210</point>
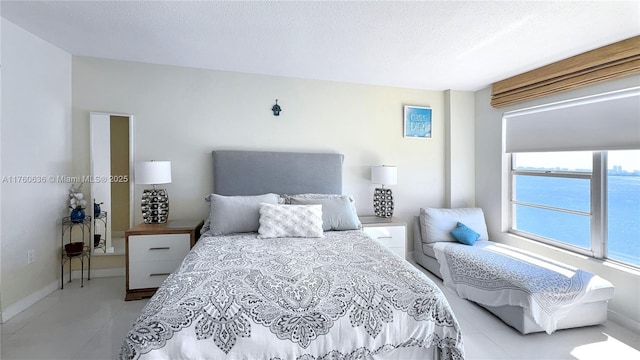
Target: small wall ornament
<point>276,109</point>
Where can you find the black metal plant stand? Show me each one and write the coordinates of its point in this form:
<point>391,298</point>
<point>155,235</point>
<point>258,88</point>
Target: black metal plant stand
<point>85,252</point>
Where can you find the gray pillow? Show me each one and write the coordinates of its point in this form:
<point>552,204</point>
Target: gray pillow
<point>338,211</point>
<point>236,214</point>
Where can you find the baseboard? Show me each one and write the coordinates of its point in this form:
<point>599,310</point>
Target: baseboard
<point>624,321</point>
<point>24,303</point>
<point>98,273</point>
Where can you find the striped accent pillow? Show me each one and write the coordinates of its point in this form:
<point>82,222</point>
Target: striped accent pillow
<point>290,221</point>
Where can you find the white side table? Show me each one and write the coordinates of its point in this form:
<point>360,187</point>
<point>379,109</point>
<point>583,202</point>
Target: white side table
<point>154,251</point>
<point>389,232</point>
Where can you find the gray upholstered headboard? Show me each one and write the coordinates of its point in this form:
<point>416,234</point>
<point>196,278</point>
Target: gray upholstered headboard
<point>261,172</point>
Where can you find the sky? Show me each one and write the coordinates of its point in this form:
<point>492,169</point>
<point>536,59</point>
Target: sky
<point>628,159</point>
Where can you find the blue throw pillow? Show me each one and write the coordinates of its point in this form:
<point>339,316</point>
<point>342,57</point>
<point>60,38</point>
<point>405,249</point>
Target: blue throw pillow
<point>464,235</point>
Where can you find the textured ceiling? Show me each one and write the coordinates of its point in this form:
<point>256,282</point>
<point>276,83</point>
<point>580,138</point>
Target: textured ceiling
<point>433,45</point>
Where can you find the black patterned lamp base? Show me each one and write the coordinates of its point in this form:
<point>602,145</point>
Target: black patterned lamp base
<point>383,202</point>
<point>155,206</point>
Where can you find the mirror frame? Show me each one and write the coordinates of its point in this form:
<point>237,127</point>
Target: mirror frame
<point>93,116</point>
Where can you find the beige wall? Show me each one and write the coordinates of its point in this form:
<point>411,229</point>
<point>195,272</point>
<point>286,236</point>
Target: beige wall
<point>491,194</point>
<point>36,141</point>
<point>183,114</point>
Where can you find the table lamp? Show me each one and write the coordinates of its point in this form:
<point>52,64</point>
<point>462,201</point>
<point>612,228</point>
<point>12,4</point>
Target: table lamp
<point>155,202</point>
<point>383,198</point>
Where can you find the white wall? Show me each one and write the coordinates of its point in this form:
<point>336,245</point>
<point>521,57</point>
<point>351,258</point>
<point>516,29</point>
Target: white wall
<point>35,133</point>
<point>459,158</point>
<point>183,114</point>
<point>1,181</point>
<point>491,190</point>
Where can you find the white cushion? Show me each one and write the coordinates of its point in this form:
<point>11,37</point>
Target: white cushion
<point>290,221</point>
<point>436,224</point>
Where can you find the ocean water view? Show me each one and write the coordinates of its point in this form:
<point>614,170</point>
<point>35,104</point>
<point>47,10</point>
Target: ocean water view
<point>623,212</point>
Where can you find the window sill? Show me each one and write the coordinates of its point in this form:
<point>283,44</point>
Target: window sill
<point>612,264</point>
<point>620,266</point>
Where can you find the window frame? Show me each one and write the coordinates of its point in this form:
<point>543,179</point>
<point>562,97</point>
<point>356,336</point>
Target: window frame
<point>598,206</point>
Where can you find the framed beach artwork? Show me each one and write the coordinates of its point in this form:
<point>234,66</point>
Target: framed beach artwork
<point>417,122</point>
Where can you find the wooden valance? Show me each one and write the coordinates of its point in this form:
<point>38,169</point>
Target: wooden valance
<point>606,63</point>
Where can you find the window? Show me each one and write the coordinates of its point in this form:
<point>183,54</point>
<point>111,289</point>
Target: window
<point>588,202</point>
<point>623,206</point>
<point>564,193</point>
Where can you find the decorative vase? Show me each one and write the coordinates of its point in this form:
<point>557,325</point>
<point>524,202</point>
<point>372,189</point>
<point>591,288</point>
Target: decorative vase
<point>77,215</point>
<point>383,202</point>
<point>96,240</point>
<point>96,210</point>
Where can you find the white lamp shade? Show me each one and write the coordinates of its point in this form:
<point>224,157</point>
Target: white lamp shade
<point>384,175</point>
<point>153,172</point>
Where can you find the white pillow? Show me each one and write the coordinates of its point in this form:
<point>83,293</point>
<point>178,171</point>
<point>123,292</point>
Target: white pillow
<point>436,224</point>
<point>290,221</point>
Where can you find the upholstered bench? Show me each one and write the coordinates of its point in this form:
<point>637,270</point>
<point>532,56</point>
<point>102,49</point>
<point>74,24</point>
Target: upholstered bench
<point>528,292</point>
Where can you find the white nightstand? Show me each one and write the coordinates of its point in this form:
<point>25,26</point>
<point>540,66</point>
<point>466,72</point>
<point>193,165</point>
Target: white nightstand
<point>390,232</point>
<point>154,251</point>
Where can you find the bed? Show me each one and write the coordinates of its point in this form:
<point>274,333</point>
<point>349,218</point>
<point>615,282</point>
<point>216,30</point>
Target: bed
<point>528,292</point>
<point>291,292</point>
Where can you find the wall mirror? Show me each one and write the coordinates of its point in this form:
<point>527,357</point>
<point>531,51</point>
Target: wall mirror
<point>111,146</point>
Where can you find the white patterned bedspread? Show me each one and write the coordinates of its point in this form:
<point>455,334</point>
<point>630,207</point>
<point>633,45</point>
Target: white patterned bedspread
<point>495,275</point>
<point>340,297</point>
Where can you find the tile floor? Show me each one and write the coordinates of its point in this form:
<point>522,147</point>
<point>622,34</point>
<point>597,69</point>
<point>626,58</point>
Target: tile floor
<point>91,322</point>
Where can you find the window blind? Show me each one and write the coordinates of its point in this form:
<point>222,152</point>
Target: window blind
<point>609,121</point>
<point>606,63</point>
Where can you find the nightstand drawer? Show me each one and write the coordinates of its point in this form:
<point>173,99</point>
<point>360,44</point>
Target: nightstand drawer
<point>158,247</point>
<point>150,274</point>
<point>388,236</point>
